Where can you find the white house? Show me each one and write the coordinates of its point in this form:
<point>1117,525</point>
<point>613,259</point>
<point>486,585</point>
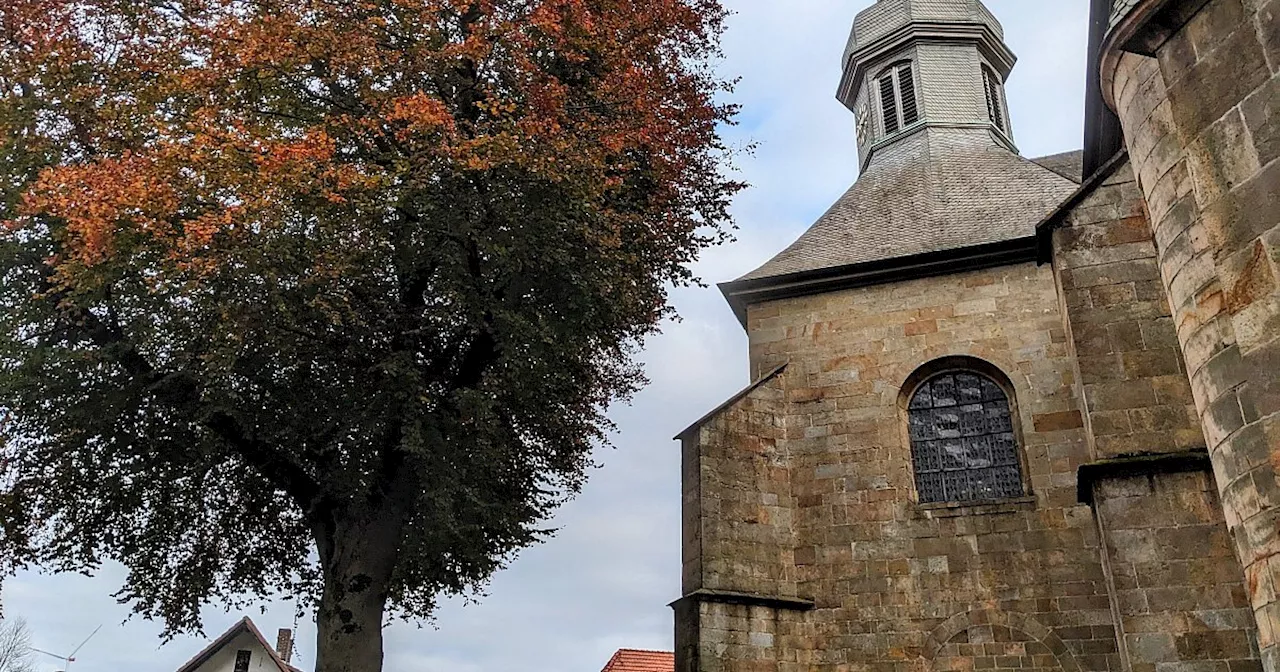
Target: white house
<point>243,649</point>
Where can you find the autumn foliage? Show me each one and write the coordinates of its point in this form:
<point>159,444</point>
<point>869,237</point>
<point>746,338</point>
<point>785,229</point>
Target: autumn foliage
<point>341,279</point>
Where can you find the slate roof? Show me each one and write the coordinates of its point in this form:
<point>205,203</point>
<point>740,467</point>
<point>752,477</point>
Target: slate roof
<point>634,660</point>
<point>885,16</point>
<point>940,189</point>
<point>1067,164</point>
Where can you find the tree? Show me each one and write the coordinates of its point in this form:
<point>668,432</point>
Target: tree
<point>16,654</point>
<point>326,299</point>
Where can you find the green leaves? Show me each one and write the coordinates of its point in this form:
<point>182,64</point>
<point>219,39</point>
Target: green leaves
<point>273,272</point>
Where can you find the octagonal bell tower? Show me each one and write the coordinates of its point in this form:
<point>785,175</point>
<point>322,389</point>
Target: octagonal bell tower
<point>913,65</point>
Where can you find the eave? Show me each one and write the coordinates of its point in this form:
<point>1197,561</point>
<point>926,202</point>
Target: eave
<point>242,626</point>
<point>743,293</point>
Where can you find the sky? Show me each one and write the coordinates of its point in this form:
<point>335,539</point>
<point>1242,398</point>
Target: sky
<point>603,582</point>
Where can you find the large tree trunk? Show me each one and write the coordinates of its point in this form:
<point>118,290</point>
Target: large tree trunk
<point>357,557</point>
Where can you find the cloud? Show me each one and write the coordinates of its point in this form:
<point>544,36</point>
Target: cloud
<point>604,581</point>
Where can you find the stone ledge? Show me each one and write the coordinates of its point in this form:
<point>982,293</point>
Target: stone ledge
<point>956,509</point>
<point>1138,465</point>
<point>746,599</point>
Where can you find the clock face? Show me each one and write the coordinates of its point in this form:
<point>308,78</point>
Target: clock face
<point>864,121</point>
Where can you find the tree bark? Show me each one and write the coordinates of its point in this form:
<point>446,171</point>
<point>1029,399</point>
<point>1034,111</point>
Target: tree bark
<point>357,556</point>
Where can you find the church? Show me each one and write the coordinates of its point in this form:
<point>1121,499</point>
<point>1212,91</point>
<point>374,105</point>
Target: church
<point>1012,413</point>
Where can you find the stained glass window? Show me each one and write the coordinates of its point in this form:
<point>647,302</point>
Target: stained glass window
<point>962,442</point>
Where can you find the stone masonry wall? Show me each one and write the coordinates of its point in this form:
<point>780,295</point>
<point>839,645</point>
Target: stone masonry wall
<point>1176,590</point>
<point>1179,592</point>
<point>741,638</point>
<point>738,507</point>
<point>1201,126</point>
<point>1122,337</point>
<point>737,533</point>
<point>904,586</point>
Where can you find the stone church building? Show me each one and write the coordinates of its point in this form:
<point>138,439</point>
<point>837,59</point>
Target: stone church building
<point>1012,413</point>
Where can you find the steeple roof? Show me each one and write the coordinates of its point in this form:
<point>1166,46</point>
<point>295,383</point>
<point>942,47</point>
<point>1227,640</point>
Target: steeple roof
<point>937,190</point>
<point>887,16</point>
<point>942,187</point>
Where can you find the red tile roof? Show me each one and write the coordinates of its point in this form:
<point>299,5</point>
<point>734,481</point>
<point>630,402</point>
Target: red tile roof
<point>633,660</point>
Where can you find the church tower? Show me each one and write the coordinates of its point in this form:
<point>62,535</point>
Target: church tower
<point>925,66</point>
<point>940,174</point>
<point>956,457</point>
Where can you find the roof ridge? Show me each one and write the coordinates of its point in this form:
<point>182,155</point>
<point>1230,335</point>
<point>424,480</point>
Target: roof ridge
<point>208,651</point>
<point>271,650</point>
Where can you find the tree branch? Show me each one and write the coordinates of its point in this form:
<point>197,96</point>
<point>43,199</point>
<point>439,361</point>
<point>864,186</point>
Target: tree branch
<point>180,388</point>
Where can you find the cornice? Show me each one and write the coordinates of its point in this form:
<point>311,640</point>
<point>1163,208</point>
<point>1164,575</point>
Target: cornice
<point>1142,31</point>
<point>998,136</point>
<point>742,293</point>
<point>989,43</point>
<point>1129,466</point>
<point>746,599</point>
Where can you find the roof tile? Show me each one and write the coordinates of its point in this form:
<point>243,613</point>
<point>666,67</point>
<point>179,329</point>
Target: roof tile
<point>635,660</point>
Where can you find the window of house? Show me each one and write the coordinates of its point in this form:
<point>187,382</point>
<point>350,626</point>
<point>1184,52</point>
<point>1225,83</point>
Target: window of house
<point>995,105</point>
<point>963,445</point>
<point>897,89</point>
<point>242,660</point>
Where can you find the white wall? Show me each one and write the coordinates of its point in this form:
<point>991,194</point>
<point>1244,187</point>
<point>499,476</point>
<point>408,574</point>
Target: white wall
<point>225,659</point>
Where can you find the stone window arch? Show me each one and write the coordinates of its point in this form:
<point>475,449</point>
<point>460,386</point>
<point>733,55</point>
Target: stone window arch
<point>896,92</point>
<point>961,426</point>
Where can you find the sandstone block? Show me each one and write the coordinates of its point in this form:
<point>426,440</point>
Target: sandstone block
<point>1219,80</point>
<point>1261,112</point>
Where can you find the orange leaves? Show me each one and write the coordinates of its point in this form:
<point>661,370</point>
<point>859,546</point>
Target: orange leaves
<point>222,119</point>
<point>417,114</point>
<point>259,185</point>
<point>100,201</point>
<point>293,157</point>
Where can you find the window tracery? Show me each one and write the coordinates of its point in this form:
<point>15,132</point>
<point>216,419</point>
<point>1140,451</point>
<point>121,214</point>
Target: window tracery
<point>963,445</point>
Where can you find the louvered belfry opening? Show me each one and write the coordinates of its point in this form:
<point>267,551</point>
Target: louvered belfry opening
<point>907,92</point>
<point>889,104</point>
<point>898,105</point>
<point>995,107</point>
<point>963,446</point>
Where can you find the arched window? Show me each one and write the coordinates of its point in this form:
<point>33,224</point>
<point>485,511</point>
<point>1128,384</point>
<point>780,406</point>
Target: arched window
<point>995,104</point>
<point>963,444</point>
<point>897,91</point>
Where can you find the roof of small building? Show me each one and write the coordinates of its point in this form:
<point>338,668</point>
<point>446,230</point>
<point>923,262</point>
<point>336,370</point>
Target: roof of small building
<point>242,626</point>
<point>938,190</point>
<point>636,660</point>
<point>1067,164</point>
